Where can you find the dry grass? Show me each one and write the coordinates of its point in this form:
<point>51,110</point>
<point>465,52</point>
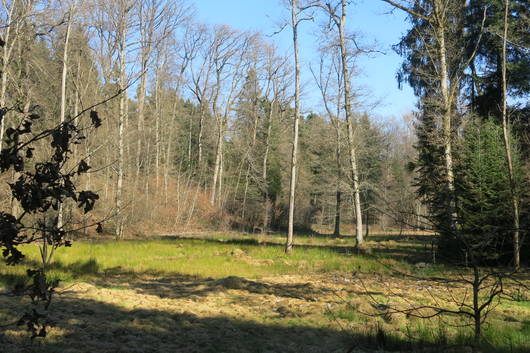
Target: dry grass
<point>234,293</point>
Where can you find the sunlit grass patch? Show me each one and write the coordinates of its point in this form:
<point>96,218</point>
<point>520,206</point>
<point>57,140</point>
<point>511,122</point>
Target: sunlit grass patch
<point>198,257</point>
<point>149,287</point>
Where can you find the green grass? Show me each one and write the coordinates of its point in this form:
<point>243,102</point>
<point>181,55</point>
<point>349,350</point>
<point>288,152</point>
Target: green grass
<point>254,257</point>
<point>202,258</point>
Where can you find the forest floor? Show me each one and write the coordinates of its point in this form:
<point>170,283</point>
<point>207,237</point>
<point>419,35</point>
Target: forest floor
<point>240,293</point>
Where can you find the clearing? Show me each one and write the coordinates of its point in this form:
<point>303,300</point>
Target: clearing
<point>240,293</point>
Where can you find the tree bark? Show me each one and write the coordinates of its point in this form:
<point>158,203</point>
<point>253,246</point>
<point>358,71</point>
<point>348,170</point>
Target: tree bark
<point>447,107</point>
<point>146,38</point>
<point>266,208</point>
<point>252,145</point>
<point>199,137</point>
<point>60,213</point>
<point>9,44</point>
<point>338,201</point>
<point>294,155</point>
<point>121,120</point>
<point>217,165</point>
<point>507,147</point>
<point>157,129</point>
<point>438,22</point>
<point>349,124</point>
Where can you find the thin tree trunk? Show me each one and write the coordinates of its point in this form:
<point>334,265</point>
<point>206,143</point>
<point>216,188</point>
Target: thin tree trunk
<point>336,231</point>
<point>349,123</point>
<point>168,155</point>
<point>476,308</point>
<point>190,136</point>
<point>121,120</point>
<point>217,165</point>
<point>294,155</point>
<point>141,108</point>
<point>108,171</point>
<point>338,194</point>
<point>146,34</point>
<point>507,147</point>
<point>9,44</point>
<point>220,189</point>
<point>245,192</point>
<point>157,132</point>
<point>447,107</point>
<point>266,208</point>
<point>166,171</point>
<point>63,98</point>
<point>147,166</point>
<point>199,138</point>
<point>247,176</point>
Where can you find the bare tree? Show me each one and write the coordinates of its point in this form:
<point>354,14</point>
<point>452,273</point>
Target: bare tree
<point>471,292</point>
<point>70,14</point>
<point>115,20</point>
<point>14,15</point>
<point>337,12</point>
<point>229,50</point>
<point>278,77</point>
<point>157,22</point>
<point>329,81</point>
<point>296,11</point>
<point>200,69</point>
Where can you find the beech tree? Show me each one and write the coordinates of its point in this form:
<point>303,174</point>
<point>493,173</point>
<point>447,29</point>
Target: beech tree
<point>329,81</point>
<point>296,19</point>
<point>338,15</point>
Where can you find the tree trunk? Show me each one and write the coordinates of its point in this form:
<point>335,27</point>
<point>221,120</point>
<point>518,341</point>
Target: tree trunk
<point>247,176</point>
<point>336,231</point>
<point>349,123</point>
<point>147,166</point>
<point>292,183</point>
<point>199,138</point>
<point>146,33</point>
<point>7,49</point>
<point>266,200</point>
<point>217,165</point>
<point>220,188</point>
<point>141,109</point>
<point>507,147</point>
<point>477,319</point>
<point>338,194</point>
<point>190,134</point>
<point>157,131</point>
<point>447,108</point>
<point>60,214</point>
<point>121,120</point>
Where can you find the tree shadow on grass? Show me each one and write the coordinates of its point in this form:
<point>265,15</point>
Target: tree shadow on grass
<point>181,286</point>
<point>164,285</point>
<point>254,241</point>
<point>88,325</point>
<point>177,286</point>
<point>85,325</point>
<point>411,251</point>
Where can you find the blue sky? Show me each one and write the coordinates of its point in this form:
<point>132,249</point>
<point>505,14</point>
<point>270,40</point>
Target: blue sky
<point>369,18</point>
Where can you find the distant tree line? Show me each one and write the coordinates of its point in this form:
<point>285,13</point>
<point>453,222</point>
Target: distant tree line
<point>202,131</point>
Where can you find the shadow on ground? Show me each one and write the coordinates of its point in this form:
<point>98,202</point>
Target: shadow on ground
<point>411,248</point>
<point>91,326</point>
<point>164,285</point>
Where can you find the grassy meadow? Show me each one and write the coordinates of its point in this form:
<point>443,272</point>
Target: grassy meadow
<point>240,293</point>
